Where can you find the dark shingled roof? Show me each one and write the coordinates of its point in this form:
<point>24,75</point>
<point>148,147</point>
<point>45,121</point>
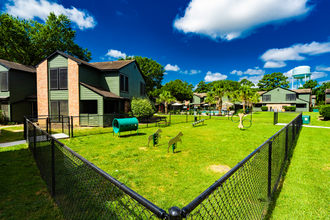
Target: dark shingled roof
<point>17,66</point>
<point>261,92</point>
<point>302,90</point>
<point>111,65</point>
<point>101,91</point>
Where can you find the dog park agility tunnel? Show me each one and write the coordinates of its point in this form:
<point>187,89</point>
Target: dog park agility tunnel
<point>125,124</point>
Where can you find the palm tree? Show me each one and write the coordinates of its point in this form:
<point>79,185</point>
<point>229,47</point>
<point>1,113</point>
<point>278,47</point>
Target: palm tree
<point>210,98</point>
<point>243,95</point>
<point>219,91</point>
<point>255,98</point>
<point>165,97</point>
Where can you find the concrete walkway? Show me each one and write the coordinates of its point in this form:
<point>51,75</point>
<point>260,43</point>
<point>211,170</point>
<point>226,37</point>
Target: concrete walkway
<point>57,136</point>
<point>310,126</point>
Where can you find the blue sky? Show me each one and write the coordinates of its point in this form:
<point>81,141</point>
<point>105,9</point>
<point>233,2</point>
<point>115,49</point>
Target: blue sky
<point>199,39</point>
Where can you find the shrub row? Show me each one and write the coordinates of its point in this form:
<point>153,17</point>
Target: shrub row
<point>290,108</point>
<point>325,111</point>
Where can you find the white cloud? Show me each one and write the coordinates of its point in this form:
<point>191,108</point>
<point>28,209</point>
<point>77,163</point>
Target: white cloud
<point>238,73</point>
<point>230,19</point>
<point>317,75</point>
<point>322,68</point>
<point>253,79</point>
<point>255,71</point>
<point>169,67</point>
<point>116,54</point>
<point>30,9</point>
<point>277,56</point>
<point>273,64</point>
<point>190,72</point>
<point>210,77</point>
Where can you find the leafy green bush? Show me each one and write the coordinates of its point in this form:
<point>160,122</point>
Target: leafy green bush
<point>142,108</point>
<point>3,119</point>
<point>325,111</point>
<point>292,108</point>
<point>264,108</point>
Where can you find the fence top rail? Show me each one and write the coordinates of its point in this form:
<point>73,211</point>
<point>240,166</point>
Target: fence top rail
<point>146,203</point>
<point>192,205</point>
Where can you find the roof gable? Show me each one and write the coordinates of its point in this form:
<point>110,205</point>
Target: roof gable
<point>17,66</point>
<point>112,65</point>
<point>277,88</point>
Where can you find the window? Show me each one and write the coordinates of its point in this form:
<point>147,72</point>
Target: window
<point>266,98</point>
<point>4,108</point>
<point>110,107</point>
<point>123,83</point>
<point>290,97</point>
<point>300,105</point>
<point>258,105</point>
<point>4,81</point>
<point>142,88</point>
<point>58,78</point>
<point>58,108</point>
<point>88,106</point>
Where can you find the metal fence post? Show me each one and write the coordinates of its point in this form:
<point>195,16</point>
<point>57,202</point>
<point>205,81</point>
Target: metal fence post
<point>62,125</point>
<point>71,126</point>
<point>47,125</point>
<point>53,168</point>
<point>34,141</point>
<point>270,171</point>
<point>186,117</point>
<point>25,126</point>
<point>175,213</point>
<point>50,126</point>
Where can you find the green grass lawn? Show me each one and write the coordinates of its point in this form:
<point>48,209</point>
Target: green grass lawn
<point>168,179</point>
<point>9,134</point>
<point>23,194</point>
<point>285,117</point>
<point>305,193</point>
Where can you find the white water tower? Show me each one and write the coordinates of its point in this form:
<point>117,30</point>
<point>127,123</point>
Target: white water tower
<point>300,73</point>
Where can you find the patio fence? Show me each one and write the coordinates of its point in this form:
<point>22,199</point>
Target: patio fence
<point>84,191</point>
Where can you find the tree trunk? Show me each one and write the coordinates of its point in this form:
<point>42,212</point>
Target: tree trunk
<point>166,108</point>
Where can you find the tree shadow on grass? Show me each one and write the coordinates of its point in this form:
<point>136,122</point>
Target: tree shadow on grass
<point>23,194</point>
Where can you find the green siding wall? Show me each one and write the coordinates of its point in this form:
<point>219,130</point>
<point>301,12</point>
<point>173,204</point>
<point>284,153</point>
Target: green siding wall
<point>19,110</point>
<point>196,100</point>
<point>327,96</point>
<point>278,96</point>
<point>88,75</point>
<point>58,61</point>
<point>134,79</point>
<point>110,81</point>
<point>305,97</point>
<point>86,94</point>
<point>4,94</point>
<point>58,95</point>
<point>21,84</point>
<point>2,68</point>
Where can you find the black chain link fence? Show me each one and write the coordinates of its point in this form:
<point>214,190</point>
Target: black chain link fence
<point>84,191</point>
<point>246,190</point>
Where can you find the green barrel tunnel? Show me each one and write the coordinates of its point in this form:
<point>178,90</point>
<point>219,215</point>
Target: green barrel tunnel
<point>124,124</point>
